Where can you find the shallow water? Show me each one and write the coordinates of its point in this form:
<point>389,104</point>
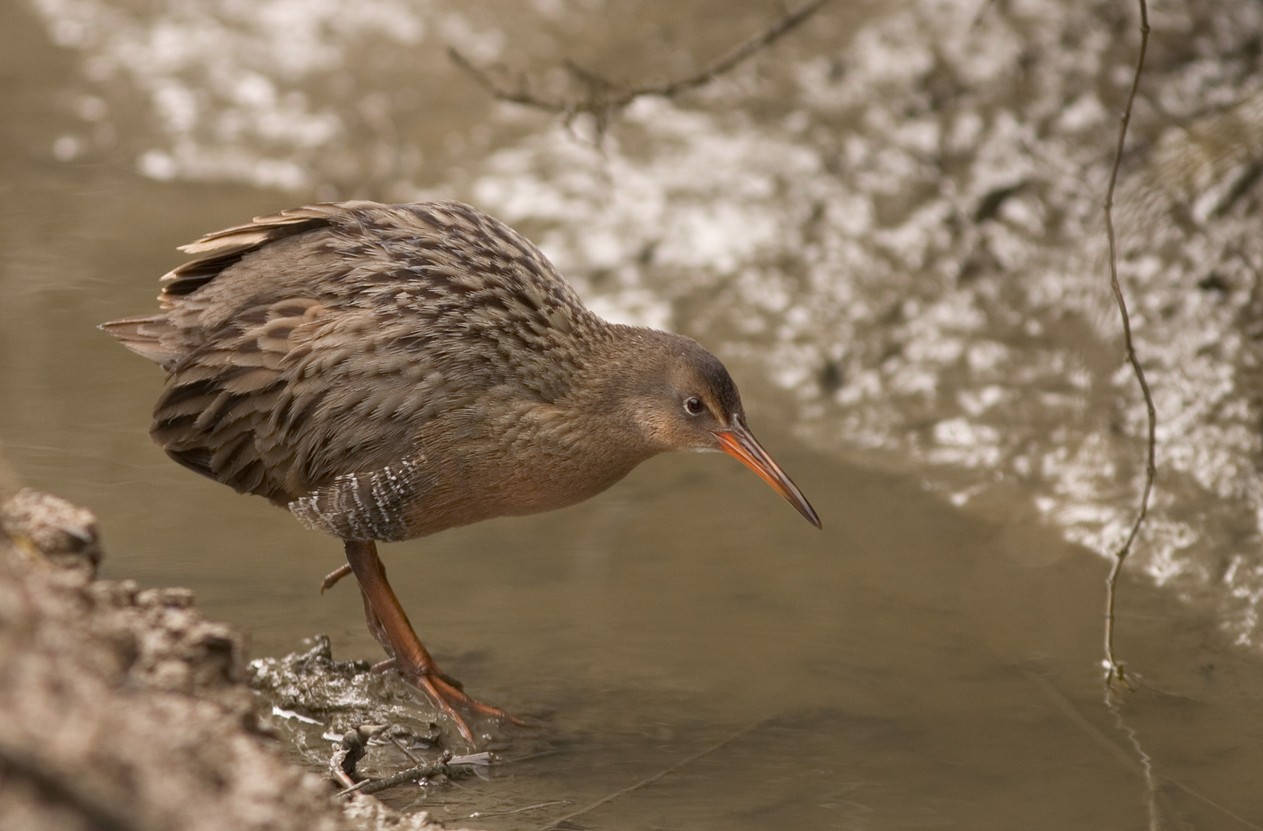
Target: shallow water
<point>688,644</point>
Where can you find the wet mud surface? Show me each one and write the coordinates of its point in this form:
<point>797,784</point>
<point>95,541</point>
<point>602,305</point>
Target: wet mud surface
<point>125,709</point>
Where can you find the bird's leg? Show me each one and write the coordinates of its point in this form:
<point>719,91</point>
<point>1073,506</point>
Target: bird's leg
<point>389,624</point>
<point>334,576</point>
<point>374,623</point>
<point>379,631</point>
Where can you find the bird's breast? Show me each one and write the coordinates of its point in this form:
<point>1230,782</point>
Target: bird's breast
<point>528,459</point>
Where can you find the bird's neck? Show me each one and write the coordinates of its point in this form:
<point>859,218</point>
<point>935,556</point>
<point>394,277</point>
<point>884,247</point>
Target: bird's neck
<point>622,382</point>
<point>615,369</point>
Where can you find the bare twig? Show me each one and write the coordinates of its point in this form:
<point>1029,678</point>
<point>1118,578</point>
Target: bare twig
<point>1113,667</point>
<point>348,752</point>
<point>525,808</point>
<point>447,765</point>
<point>428,771</point>
<point>412,757</point>
<point>649,780</point>
<point>604,100</point>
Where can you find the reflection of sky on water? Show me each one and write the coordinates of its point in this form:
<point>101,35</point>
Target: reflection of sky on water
<point>900,224</point>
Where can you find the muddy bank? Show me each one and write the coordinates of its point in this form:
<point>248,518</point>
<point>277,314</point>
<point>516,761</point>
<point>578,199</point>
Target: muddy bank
<point>125,710</point>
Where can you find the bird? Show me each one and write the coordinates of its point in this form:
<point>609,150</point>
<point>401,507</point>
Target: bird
<point>389,371</point>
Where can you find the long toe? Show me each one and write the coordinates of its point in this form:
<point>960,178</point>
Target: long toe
<point>456,703</point>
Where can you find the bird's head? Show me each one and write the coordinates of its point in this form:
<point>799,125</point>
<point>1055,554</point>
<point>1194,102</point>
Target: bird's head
<point>681,397</point>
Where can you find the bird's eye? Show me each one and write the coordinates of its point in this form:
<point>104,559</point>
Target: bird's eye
<point>694,406</point>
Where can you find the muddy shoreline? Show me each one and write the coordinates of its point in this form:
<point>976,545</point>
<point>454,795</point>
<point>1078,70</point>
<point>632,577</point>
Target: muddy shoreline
<point>127,710</point>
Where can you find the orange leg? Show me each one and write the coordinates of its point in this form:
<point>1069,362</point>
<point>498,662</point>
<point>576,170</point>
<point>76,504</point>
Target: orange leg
<point>389,624</point>
<point>334,576</point>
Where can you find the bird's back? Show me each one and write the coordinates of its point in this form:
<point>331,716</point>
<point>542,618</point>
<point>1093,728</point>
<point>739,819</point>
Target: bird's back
<point>312,354</point>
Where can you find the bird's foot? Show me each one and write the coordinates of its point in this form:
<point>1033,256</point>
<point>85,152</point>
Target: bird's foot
<point>391,663</point>
<point>389,625</point>
<point>454,702</point>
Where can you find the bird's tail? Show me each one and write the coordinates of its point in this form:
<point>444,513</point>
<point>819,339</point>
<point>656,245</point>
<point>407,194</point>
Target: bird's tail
<point>144,336</point>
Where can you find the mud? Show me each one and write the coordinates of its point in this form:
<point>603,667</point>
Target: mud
<point>126,710</point>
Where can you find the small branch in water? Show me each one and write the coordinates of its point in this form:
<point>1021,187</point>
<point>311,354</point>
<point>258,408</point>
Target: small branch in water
<point>1114,670</point>
<point>350,750</point>
<point>403,748</point>
<point>604,100</point>
<point>447,765</point>
<point>510,812</point>
<point>649,780</point>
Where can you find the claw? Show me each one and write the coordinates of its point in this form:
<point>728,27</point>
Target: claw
<point>389,624</point>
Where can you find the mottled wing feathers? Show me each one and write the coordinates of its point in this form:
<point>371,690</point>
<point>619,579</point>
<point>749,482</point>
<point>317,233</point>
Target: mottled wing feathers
<point>144,336</point>
<point>218,414</point>
<point>167,337</point>
<point>308,351</point>
<point>293,400</point>
<point>220,250</point>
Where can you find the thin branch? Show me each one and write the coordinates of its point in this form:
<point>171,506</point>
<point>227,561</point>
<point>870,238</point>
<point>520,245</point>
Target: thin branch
<point>604,100</point>
<point>735,56</point>
<point>524,809</point>
<point>449,765</point>
<point>428,771</point>
<point>1113,667</point>
<point>521,94</point>
<point>649,780</point>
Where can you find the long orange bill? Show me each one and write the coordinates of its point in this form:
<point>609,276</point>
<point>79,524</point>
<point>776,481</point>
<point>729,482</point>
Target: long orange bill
<point>738,442</point>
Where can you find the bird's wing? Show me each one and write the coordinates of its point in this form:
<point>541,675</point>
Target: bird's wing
<point>297,396</point>
<point>308,351</point>
<point>187,320</point>
<point>290,362</point>
<point>218,251</point>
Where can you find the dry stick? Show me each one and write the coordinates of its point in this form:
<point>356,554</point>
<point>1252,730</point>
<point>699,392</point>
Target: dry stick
<point>449,765</point>
<point>1113,667</point>
<point>605,99</point>
<point>511,811</point>
<point>735,56</point>
<point>426,771</point>
<point>649,780</point>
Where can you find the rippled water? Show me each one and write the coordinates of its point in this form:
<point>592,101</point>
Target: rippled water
<point>889,228</point>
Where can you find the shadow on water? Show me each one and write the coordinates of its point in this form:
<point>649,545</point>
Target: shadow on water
<point>696,655</point>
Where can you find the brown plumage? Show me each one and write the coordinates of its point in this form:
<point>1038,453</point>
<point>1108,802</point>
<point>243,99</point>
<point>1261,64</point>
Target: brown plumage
<point>389,371</point>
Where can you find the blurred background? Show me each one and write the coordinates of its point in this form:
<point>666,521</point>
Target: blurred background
<point>888,223</point>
